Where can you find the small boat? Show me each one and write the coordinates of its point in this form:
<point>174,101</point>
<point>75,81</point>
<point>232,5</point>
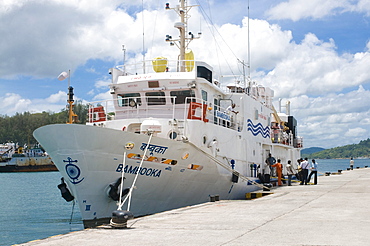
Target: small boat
<point>18,159</point>
<point>171,136</point>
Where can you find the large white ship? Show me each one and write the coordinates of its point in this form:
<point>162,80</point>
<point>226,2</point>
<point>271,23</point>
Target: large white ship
<point>173,135</point>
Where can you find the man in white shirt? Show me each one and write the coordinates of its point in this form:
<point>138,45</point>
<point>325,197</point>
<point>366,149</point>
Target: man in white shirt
<point>305,165</point>
<point>290,172</point>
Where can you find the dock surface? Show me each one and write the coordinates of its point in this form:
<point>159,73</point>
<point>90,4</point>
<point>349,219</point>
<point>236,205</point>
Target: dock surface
<point>334,212</point>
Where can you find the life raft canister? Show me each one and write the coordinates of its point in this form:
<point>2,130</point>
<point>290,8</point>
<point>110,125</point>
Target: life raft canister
<point>192,110</point>
<point>97,114</point>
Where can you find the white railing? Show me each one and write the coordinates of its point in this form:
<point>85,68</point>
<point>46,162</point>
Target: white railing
<point>157,66</point>
<point>163,107</point>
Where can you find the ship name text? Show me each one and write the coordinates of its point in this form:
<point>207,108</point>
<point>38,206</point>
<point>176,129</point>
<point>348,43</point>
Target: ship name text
<point>150,172</point>
<point>154,148</point>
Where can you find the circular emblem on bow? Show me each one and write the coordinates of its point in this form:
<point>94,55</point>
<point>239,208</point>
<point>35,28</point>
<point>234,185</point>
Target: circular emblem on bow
<point>73,171</point>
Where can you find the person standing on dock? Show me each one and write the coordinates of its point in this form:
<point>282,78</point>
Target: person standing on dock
<point>313,172</point>
<point>270,161</point>
<point>351,163</point>
<point>290,172</point>
<point>266,173</point>
<point>299,170</point>
<point>279,169</point>
<point>305,165</point>
<point>267,169</point>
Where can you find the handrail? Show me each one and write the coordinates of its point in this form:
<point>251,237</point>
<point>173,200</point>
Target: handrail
<point>192,108</point>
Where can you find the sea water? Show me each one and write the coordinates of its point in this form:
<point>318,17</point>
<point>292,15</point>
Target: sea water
<point>333,165</point>
<point>31,206</point>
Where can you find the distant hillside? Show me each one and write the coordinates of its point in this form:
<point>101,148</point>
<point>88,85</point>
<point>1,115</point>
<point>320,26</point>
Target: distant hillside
<point>19,128</point>
<point>362,149</point>
<point>308,151</point>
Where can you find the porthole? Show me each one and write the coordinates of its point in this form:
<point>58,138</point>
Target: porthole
<point>173,135</point>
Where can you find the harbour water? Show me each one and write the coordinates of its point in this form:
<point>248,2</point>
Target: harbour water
<point>333,165</point>
<point>32,207</point>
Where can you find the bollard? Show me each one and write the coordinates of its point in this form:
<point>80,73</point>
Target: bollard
<point>120,218</point>
<point>357,167</point>
<point>267,186</point>
<point>365,166</point>
<point>327,174</point>
<point>348,168</point>
<point>217,198</point>
<point>212,198</point>
<point>339,171</point>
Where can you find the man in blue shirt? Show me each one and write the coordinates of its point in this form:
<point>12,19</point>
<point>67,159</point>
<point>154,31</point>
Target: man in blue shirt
<point>313,172</point>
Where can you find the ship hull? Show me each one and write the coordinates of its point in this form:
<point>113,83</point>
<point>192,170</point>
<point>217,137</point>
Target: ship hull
<point>174,174</point>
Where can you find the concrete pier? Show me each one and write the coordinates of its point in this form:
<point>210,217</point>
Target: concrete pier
<point>334,212</point>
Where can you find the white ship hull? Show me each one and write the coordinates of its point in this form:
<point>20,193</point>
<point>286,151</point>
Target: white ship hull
<point>91,158</point>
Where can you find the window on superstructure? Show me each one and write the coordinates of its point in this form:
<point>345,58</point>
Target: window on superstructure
<point>204,95</point>
<point>155,98</point>
<point>203,72</point>
<point>129,99</point>
<point>153,84</point>
<point>181,96</point>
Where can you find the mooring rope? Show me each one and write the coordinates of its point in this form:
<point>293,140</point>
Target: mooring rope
<point>70,220</point>
<point>122,178</point>
<point>136,176</point>
<point>227,167</point>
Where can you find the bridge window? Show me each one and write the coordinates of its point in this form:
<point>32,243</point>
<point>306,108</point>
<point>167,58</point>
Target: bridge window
<point>203,72</point>
<point>155,98</point>
<point>129,99</point>
<point>181,96</point>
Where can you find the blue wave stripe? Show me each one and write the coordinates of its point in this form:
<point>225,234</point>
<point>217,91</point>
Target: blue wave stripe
<point>258,129</point>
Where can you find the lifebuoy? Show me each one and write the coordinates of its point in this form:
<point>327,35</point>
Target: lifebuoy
<point>192,108</point>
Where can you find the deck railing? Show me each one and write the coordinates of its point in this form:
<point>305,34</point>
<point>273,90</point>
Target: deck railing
<point>163,107</point>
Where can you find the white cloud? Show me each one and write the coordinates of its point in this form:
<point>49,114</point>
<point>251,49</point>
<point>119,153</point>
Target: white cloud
<point>64,34</point>
<point>363,6</point>
<point>341,117</point>
<point>314,67</point>
<point>104,83</point>
<point>316,9</point>
<point>356,132</point>
<point>57,98</point>
<point>12,103</point>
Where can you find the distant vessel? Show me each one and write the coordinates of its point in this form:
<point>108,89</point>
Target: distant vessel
<point>18,159</point>
<point>170,137</point>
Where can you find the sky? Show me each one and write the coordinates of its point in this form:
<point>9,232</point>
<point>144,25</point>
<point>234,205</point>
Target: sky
<point>316,54</point>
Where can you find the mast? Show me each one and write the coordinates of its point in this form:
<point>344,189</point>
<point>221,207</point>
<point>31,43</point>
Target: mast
<point>183,42</point>
<point>182,28</point>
